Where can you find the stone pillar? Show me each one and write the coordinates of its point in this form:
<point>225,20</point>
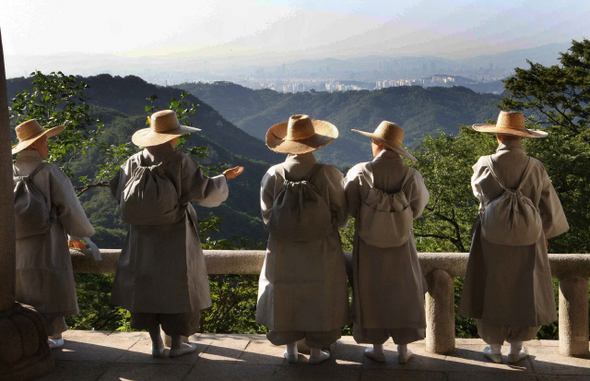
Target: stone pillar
<point>440,312</point>
<point>573,316</point>
<point>7,234</point>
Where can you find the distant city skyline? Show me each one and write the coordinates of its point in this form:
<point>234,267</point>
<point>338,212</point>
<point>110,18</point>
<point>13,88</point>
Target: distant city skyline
<point>127,37</point>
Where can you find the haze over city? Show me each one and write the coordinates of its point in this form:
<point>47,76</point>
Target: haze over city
<point>181,41</point>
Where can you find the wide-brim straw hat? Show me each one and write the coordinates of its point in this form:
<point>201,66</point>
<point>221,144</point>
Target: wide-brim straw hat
<point>164,126</point>
<point>510,123</point>
<point>29,132</point>
<point>300,135</point>
<point>391,136</point>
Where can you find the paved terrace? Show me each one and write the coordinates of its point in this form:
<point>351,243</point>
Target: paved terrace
<point>101,356</point>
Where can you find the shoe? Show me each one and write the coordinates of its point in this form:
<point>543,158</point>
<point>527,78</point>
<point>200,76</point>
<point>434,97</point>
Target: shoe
<point>514,358</point>
<point>55,343</point>
<point>291,359</point>
<point>323,356</point>
<point>157,352</point>
<point>370,353</point>
<point>183,350</point>
<point>495,357</point>
<point>403,358</point>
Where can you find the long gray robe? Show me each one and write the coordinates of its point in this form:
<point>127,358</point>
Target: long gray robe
<point>303,285</point>
<point>388,283</point>
<point>44,275</point>
<point>162,268</point>
<point>511,285</point>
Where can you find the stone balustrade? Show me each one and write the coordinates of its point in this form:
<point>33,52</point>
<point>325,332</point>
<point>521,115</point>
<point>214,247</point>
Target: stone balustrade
<point>572,270</point>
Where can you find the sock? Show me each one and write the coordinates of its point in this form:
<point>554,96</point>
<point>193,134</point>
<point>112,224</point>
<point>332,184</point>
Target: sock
<point>292,348</point>
<point>515,347</point>
<point>378,349</point>
<point>496,349</point>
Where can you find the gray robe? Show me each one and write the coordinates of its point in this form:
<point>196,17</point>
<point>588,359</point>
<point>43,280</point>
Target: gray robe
<point>511,285</point>
<point>44,275</point>
<point>162,268</point>
<point>303,285</point>
<point>388,283</point>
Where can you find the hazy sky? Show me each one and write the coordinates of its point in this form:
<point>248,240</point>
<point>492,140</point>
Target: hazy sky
<point>288,29</point>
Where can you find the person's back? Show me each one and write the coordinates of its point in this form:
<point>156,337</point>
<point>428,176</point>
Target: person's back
<point>161,276</point>
<point>508,288</point>
<point>387,279</point>
<point>302,287</point>
<point>44,274</point>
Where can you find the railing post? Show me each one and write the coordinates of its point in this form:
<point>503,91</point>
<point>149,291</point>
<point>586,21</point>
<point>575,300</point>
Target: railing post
<point>440,312</point>
<point>573,316</point>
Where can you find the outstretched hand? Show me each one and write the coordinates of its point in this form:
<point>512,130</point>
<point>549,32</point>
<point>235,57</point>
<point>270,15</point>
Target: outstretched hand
<point>234,172</point>
<point>76,244</point>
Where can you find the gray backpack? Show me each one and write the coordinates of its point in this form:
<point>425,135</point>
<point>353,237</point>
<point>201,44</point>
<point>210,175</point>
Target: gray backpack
<point>511,218</point>
<point>32,215</point>
<point>299,213</point>
<point>150,198</point>
<point>385,219</point>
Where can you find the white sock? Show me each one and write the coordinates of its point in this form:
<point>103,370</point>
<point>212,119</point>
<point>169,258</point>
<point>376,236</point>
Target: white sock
<point>496,349</point>
<point>515,347</point>
<point>292,348</point>
<point>378,349</point>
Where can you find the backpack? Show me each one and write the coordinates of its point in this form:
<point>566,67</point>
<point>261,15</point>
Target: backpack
<point>385,219</point>
<point>150,197</point>
<point>299,213</point>
<point>511,218</point>
<point>32,215</point>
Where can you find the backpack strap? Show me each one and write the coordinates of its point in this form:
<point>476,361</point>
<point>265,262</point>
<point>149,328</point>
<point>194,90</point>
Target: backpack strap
<point>490,163</point>
<point>30,175</point>
<point>525,174</point>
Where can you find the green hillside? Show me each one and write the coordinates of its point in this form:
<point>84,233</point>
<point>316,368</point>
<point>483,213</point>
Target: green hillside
<point>418,110</point>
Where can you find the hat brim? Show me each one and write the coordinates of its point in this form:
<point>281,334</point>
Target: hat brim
<point>493,129</point>
<point>26,143</point>
<point>325,133</point>
<point>146,137</point>
<point>392,147</point>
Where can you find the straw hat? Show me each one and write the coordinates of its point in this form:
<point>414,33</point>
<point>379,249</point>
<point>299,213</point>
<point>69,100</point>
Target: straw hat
<point>164,126</point>
<point>510,123</point>
<point>391,136</point>
<point>30,131</point>
<point>300,134</point>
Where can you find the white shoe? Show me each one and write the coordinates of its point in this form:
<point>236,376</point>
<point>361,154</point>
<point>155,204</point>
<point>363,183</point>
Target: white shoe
<point>514,358</point>
<point>370,353</point>
<point>403,357</point>
<point>323,356</point>
<point>55,343</point>
<point>495,357</point>
<point>183,350</point>
<point>291,359</point>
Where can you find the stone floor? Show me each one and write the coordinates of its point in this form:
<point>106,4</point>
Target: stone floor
<point>126,356</point>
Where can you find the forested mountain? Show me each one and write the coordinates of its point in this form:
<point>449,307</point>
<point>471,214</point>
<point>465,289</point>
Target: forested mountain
<point>120,102</point>
<point>418,110</point>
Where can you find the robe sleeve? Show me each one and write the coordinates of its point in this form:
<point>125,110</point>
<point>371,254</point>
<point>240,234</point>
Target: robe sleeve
<point>336,196</point>
<point>418,195</point>
<point>352,190</point>
<point>267,193</point>
<point>552,215</point>
<point>202,190</point>
<point>478,170</point>
<point>69,212</point>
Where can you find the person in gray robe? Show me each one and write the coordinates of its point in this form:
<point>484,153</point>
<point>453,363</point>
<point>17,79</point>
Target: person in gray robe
<point>44,274</point>
<point>387,279</point>
<point>161,277</point>
<point>303,286</point>
<point>508,288</point>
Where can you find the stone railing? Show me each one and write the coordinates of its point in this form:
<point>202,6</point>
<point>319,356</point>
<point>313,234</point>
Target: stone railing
<point>572,270</point>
